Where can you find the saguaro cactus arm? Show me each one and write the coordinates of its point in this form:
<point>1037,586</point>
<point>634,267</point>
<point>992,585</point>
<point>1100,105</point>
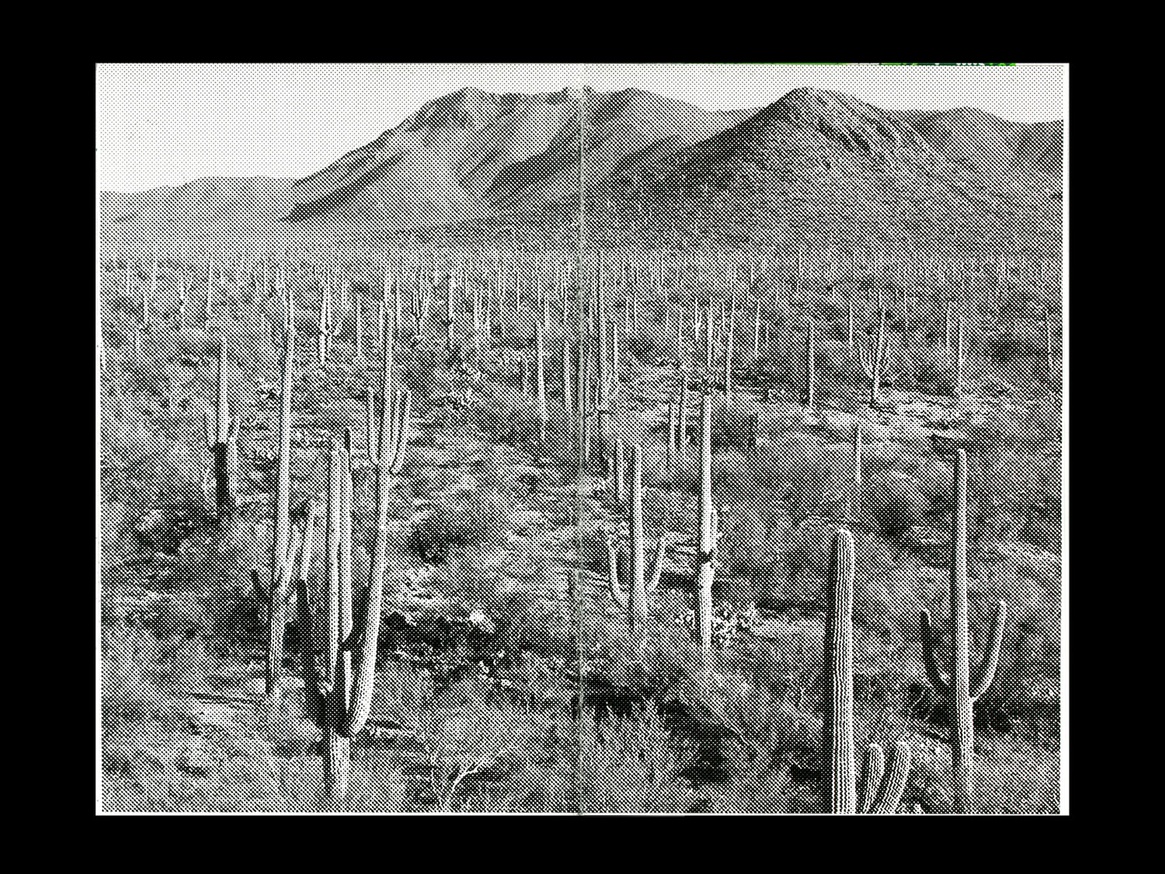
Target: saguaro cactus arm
<point>893,783</point>
<point>985,673</point>
<point>656,570</point>
<point>365,647</point>
<point>400,436</point>
<point>872,770</point>
<point>622,601</point>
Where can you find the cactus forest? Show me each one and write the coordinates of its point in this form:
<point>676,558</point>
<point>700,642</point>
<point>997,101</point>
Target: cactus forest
<point>526,523</point>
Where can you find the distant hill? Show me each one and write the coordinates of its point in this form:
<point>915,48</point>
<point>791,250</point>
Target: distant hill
<point>988,144</point>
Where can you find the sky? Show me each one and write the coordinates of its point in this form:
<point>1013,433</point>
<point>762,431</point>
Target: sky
<point>166,124</point>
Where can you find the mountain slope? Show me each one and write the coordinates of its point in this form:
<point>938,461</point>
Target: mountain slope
<point>822,166</point>
<point>466,156</point>
<point>991,145</point>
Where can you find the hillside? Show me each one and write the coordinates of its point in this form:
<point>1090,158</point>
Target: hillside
<point>819,165</point>
<point>987,144</point>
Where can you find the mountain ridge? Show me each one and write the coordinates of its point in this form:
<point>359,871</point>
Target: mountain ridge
<point>471,158</point>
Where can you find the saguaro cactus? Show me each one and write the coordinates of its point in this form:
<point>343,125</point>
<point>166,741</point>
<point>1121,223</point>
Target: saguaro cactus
<point>705,559</point>
<point>856,484</point>
<point>959,685</point>
<point>959,360</point>
<point>540,382</point>
<point>340,701</point>
<point>642,582</point>
<point>881,790</point>
<point>330,324</point>
<point>282,553</point>
<point>873,355</point>
<point>810,392</point>
<point>222,438</point>
<point>839,673</point>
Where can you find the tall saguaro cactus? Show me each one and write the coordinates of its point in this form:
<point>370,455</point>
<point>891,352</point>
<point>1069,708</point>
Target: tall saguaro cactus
<point>959,685</point>
<point>810,392</point>
<point>705,559</point>
<point>282,554</point>
<point>839,674</point>
<point>642,581</point>
<point>222,437</point>
<point>959,359</point>
<point>873,355</point>
<point>540,381</point>
<point>340,698</point>
<point>880,790</point>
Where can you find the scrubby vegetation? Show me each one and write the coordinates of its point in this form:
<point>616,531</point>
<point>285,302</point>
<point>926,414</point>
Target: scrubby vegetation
<point>512,673</point>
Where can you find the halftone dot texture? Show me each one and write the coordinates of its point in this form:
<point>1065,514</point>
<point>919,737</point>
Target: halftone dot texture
<point>561,277</point>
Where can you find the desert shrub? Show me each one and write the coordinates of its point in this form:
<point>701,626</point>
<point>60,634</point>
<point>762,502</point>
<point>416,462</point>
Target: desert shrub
<point>649,348</point>
<point>895,501</point>
<point>1004,345</point>
<point>631,766</point>
<point>377,782</point>
<point>158,481</point>
<point>933,368</point>
<point>129,692</point>
<point>509,417</point>
<point>471,520</point>
<point>1019,777</point>
<point>425,371</point>
<point>793,471</point>
<point>732,425</point>
<point>753,550</point>
<point>470,727</point>
<point>1014,493</point>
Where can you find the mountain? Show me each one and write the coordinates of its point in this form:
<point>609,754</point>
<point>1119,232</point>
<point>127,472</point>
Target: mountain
<point>468,156</point>
<point>813,165</point>
<point>823,167</point>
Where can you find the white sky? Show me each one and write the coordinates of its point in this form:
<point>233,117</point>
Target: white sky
<point>165,124</point>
